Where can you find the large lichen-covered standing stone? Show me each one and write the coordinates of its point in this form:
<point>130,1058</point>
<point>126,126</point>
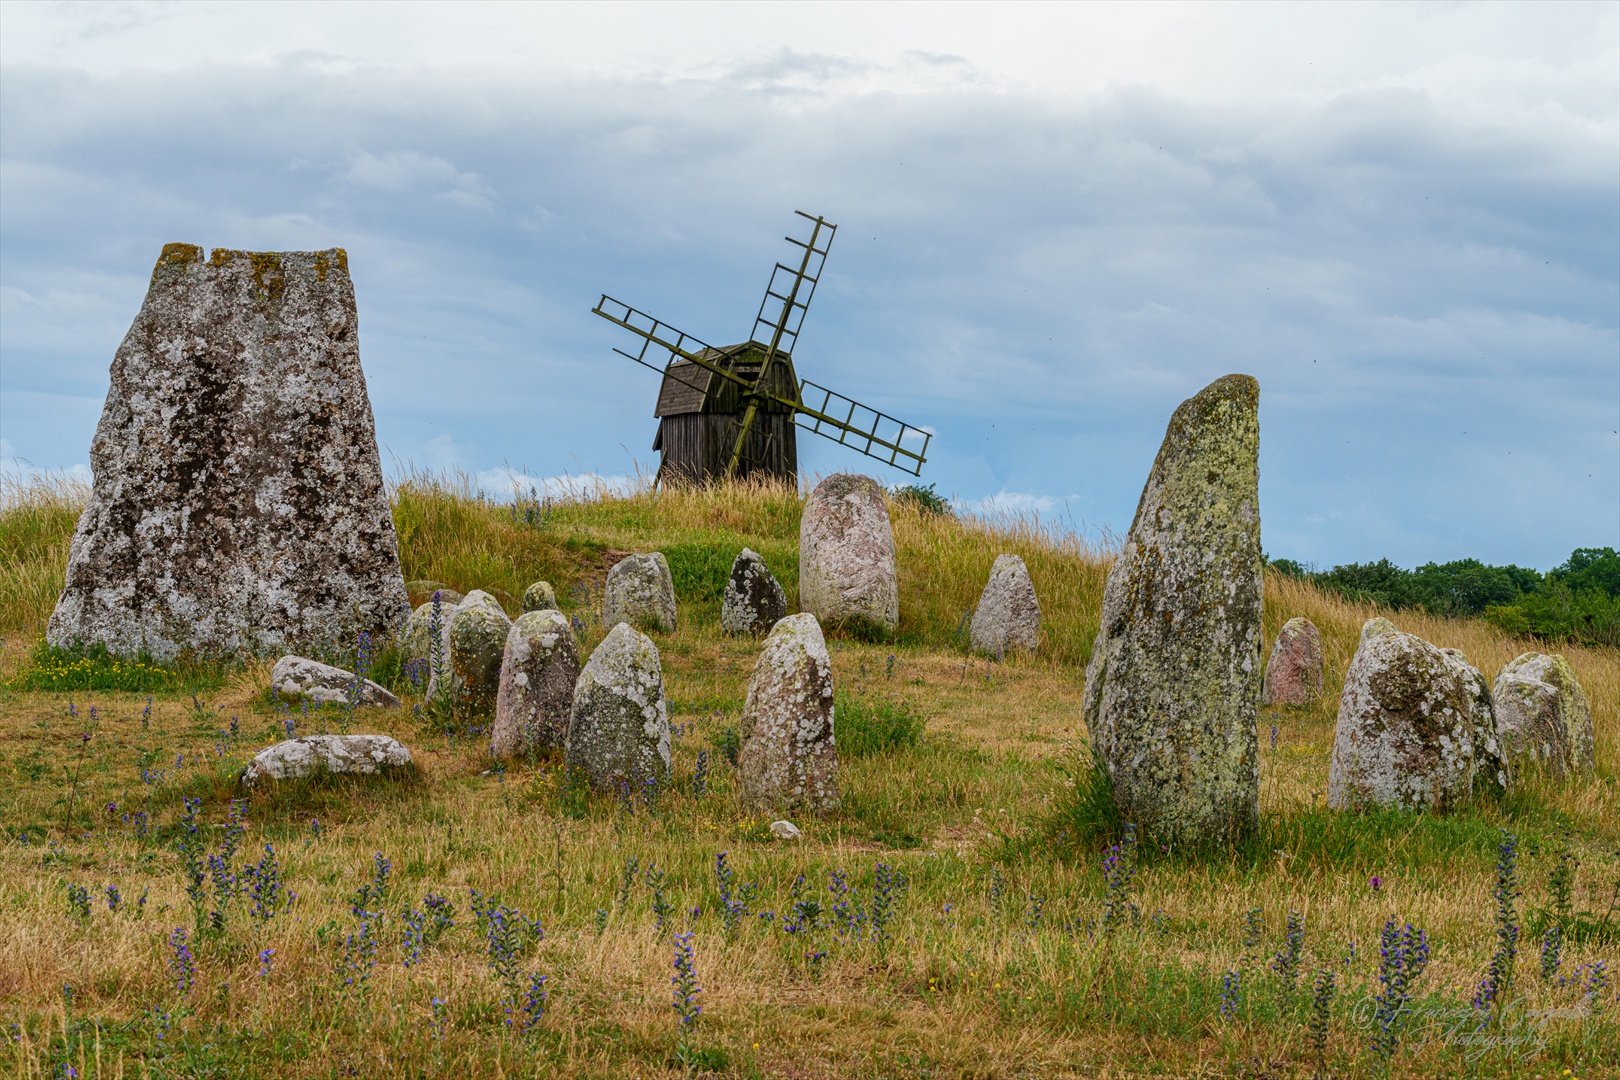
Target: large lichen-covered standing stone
<point>1542,716</point>
<point>536,694</point>
<point>474,645</point>
<point>846,556</point>
<point>354,755</point>
<point>540,597</point>
<point>299,678</point>
<point>238,503</point>
<point>1294,672</point>
<point>641,592</point>
<point>754,601</point>
<point>1174,680</point>
<point>1008,618</point>
<point>1415,730</point>
<point>787,759</point>
<point>619,728</point>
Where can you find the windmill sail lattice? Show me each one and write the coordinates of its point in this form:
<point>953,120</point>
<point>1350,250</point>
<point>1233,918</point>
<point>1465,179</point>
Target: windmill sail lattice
<point>723,409</point>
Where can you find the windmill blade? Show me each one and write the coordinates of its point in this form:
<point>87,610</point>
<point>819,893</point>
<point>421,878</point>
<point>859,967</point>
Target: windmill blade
<point>788,294</point>
<point>849,423</point>
<point>668,339</point>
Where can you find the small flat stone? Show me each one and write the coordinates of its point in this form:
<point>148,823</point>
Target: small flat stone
<point>785,830</point>
<point>297,678</point>
<point>351,755</point>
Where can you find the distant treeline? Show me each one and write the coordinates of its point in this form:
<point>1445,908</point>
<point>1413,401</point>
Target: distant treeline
<point>1579,600</point>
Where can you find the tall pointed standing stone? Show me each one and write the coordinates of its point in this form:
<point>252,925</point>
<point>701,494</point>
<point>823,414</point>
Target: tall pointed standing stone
<point>1008,618</point>
<point>1174,680</point>
<point>238,502</point>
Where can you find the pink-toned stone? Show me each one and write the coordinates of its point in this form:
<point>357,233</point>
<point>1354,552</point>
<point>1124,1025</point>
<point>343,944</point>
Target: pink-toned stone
<point>1294,675</point>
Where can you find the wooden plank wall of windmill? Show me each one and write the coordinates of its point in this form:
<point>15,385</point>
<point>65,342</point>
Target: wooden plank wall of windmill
<point>697,446</point>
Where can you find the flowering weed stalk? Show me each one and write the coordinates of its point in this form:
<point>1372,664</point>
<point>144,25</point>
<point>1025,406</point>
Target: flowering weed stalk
<point>1321,1014</point>
<point>1492,993</point>
<point>1286,962</point>
<point>266,889</point>
<point>890,885</point>
<point>425,925</point>
<point>182,965</point>
<point>1402,956</point>
<point>1119,870</point>
<point>684,982</point>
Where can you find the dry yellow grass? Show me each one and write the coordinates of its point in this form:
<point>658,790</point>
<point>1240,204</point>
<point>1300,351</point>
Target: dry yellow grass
<point>967,986</point>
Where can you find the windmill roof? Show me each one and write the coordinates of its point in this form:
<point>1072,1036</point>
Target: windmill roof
<point>689,388</point>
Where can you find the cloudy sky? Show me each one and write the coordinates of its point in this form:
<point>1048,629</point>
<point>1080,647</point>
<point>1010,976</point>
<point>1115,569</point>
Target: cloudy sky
<point>1056,223</point>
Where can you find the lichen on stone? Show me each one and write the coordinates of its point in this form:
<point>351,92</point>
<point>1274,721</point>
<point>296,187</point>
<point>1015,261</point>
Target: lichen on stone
<point>1174,678</point>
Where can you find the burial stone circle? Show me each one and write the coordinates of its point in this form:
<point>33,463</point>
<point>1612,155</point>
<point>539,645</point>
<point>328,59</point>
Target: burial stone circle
<point>754,601</point>
<point>310,680</point>
<point>1415,729</point>
<point>1542,716</point>
<point>540,597</point>
<point>354,755</point>
<point>1174,680</point>
<point>787,758</point>
<point>1294,673</point>
<point>618,730</point>
<point>641,592</point>
<point>1008,618</point>
<point>237,502</point>
<point>475,642</point>
<point>536,694</point>
<point>846,556</point>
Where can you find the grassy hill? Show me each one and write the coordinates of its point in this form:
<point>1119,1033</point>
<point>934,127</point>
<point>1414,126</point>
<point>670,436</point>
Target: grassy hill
<point>1007,952</point>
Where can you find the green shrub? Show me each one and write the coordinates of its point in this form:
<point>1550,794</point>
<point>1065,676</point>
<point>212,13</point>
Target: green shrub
<point>864,726</point>
<point>925,499</point>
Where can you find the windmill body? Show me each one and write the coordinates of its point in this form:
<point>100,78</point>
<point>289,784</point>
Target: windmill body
<point>699,414</point>
<point>732,411</point>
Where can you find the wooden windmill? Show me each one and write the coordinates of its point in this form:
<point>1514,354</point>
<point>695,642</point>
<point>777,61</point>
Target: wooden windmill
<point>731,411</point>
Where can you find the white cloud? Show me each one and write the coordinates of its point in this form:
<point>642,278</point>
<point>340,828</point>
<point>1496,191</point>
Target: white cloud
<point>506,483</point>
<point>18,470</point>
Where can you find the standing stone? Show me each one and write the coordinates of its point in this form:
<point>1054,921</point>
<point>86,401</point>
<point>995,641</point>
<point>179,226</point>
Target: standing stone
<point>416,640</point>
<point>310,680</point>
<point>540,597</point>
<point>1174,680</point>
<point>1542,716</point>
<point>754,601</point>
<point>475,643</point>
<point>641,592</point>
<point>238,503</point>
<point>1008,617</point>
<point>846,556</point>
<point>1415,730</point>
<point>536,695</point>
<point>619,727</point>
<point>787,759</point>
<point>1294,674</point>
